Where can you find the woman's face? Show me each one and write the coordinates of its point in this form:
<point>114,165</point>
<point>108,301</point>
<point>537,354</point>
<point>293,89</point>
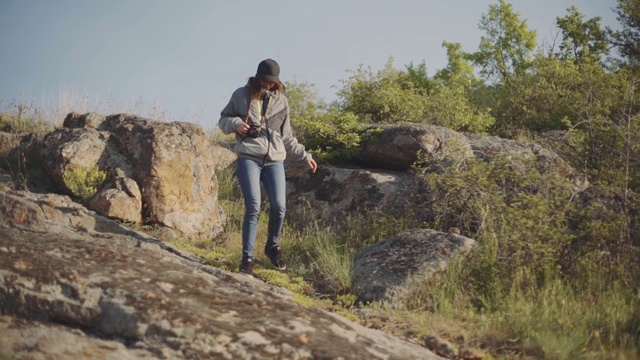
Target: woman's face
<point>269,85</point>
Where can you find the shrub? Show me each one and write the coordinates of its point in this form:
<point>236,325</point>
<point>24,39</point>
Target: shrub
<point>517,213</point>
<point>449,106</point>
<point>332,136</point>
<point>84,182</point>
<point>24,118</point>
<point>526,280</point>
<point>387,96</point>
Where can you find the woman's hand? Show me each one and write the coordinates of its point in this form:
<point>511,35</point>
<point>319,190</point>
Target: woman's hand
<point>313,165</point>
<point>242,129</point>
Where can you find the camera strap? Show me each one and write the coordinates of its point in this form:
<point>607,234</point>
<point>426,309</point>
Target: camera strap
<point>264,103</point>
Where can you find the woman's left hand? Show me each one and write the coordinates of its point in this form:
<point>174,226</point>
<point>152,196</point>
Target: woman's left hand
<point>313,165</point>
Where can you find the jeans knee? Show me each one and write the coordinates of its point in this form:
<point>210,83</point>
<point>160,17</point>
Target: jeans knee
<point>252,213</point>
<point>278,209</point>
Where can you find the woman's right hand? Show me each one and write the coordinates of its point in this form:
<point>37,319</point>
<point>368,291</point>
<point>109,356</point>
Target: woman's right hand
<point>242,129</point>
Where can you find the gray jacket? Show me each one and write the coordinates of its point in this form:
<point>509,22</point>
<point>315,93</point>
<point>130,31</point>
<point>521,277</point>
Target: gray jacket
<point>276,139</point>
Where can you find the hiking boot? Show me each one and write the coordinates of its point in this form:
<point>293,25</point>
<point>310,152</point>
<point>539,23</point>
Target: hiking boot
<point>246,266</point>
<point>275,256</point>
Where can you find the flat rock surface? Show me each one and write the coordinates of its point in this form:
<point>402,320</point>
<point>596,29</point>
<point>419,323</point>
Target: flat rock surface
<point>75,285</point>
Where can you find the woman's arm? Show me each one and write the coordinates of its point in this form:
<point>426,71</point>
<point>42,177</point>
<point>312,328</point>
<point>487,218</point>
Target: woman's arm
<point>231,116</point>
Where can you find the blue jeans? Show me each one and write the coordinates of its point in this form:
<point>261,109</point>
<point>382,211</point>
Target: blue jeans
<point>250,173</point>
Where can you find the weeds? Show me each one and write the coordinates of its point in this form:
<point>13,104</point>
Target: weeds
<point>24,117</point>
<point>528,283</point>
<point>84,182</point>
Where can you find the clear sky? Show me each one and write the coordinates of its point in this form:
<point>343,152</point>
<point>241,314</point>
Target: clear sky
<point>185,58</point>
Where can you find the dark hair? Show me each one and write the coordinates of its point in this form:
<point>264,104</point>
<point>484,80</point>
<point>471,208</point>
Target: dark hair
<point>255,88</point>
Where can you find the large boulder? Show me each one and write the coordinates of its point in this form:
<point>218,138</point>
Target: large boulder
<point>398,147</point>
<point>76,285</point>
<point>90,120</point>
<point>223,155</point>
<point>385,181</point>
<point>68,149</point>
<point>487,147</point>
<point>389,270</point>
<point>171,163</point>
<point>333,193</point>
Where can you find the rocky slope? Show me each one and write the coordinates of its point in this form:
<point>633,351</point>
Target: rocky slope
<point>76,285</point>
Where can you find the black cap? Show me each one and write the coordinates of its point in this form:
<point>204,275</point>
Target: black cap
<point>268,70</point>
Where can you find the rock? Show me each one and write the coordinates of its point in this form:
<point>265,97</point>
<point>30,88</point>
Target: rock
<point>388,270</point>
<point>333,193</point>
<point>89,120</point>
<point>28,339</point>
<point>123,202</point>
<point>398,147</point>
<point>74,283</point>
<point>223,155</point>
<point>486,147</point>
<point>65,150</point>
<point>441,347</point>
<point>173,166</point>
<point>386,184</point>
<point>171,163</point>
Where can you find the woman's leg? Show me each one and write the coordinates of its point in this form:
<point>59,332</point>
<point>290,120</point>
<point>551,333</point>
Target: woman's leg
<point>248,172</point>
<point>275,185</point>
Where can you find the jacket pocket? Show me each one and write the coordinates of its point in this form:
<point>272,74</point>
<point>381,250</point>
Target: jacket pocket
<point>278,151</point>
<point>252,146</point>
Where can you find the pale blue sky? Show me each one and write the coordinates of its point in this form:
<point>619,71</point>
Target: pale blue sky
<point>187,57</point>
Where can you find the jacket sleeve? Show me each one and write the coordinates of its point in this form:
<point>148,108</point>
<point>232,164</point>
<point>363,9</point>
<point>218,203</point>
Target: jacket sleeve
<point>231,115</point>
<point>291,144</point>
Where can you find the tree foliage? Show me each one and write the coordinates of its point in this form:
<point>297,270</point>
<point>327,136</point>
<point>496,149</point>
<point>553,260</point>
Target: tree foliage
<point>459,69</point>
<point>507,45</point>
<point>627,40</point>
<point>582,41</point>
<point>386,96</point>
<point>333,136</point>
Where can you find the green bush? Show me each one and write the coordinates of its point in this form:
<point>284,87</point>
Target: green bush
<point>449,106</point>
<point>527,279</point>
<point>386,96</point>
<point>517,213</point>
<point>332,136</point>
<point>84,181</point>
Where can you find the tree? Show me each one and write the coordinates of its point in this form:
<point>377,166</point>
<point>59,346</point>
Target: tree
<point>582,41</point>
<point>459,69</point>
<point>627,40</point>
<point>506,47</point>
<point>418,76</point>
<point>449,104</point>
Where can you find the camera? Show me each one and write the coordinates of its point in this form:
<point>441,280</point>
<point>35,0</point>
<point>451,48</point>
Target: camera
<point>254,131</point>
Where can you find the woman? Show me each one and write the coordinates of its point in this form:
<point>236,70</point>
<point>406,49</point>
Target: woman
<point>258,113</point>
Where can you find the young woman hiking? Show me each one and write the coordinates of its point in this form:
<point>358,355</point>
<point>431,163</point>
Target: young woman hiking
<point>258,113</point>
